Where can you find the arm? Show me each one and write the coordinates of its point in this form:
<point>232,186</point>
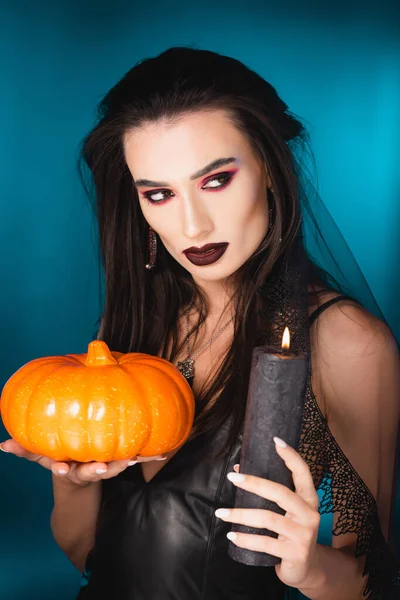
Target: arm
<point>74,516</point>
<point>77,499</point>
<point>356,378</point>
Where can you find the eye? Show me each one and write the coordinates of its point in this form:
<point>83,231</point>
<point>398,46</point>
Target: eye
<point>218,181</point>
<point>157,196</point>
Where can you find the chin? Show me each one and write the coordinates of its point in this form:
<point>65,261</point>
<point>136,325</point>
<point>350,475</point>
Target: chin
<point>214,272</point>
<point>218,273</point>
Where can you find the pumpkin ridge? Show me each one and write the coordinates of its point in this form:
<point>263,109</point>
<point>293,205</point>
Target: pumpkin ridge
<point>80,381</point>
<point>72,361</point>
<point>180,408</point>
<point>15,383</point>
<point>183,387</point>
<point>19,378</point>
<point>26,369</point>
<point>138,385</point>
<point>27,419</point>
<point>120,411</point>
<point>170,370</point>
<point>189,417</point>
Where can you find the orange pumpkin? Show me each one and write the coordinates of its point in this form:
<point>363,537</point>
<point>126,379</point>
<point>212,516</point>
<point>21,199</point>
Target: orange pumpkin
<point>98,406</point>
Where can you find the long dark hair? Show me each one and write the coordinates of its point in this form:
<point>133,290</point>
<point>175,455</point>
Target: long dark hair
<point>142,308</point>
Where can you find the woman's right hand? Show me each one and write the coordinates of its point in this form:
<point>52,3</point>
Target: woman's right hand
<point>80,474</point>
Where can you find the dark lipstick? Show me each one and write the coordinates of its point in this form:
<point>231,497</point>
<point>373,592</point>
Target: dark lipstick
<point>205,255</point>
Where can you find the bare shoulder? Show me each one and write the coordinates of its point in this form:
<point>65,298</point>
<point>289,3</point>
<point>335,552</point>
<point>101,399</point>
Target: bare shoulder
<point>356,382</point>
<point>348,328</point>
<point>351,350</point>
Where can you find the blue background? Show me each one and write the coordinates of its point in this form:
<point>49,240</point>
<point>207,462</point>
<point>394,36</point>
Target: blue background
<point>336,65</point>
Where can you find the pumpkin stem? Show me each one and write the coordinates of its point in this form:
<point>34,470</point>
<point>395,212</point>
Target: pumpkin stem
<point>99,355</point>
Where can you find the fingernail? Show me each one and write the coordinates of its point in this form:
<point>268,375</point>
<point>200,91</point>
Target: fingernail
<point>231,536</point>
<point>163,458</point>
<point>3,450</point>
<point>222,512</point>
<point>59,472</point>
<point>101,471</point>
<point>131,463</point>
<point>280,442</point>
<point>236,477</point>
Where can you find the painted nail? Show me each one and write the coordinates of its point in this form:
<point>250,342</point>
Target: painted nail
<point>61,472</point>
<point>163,458</point>
<point>101,471</point>
<point>231,536</point>
<point>131,463</point>
<point>236,477</point>
<point>3,450</point>
<point>222,512</point>
<point>280,442</point>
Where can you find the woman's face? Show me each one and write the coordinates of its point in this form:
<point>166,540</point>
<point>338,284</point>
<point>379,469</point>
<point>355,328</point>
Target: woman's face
<point>189,201</point>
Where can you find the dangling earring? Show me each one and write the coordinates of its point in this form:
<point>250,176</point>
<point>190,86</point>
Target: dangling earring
<point>152,245</point>
<point>270,189</point>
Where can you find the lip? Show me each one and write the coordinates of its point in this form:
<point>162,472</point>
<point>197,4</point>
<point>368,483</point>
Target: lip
<point>197,257</point>
<point>195,250</point>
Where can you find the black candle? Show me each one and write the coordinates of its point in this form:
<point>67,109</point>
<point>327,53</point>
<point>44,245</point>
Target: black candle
<point>274,407</point>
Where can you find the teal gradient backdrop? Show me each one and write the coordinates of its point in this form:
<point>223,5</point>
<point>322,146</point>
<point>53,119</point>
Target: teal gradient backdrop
<point>337,67</point>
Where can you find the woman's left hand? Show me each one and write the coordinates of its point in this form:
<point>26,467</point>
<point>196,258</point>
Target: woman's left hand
<point>296,544</point>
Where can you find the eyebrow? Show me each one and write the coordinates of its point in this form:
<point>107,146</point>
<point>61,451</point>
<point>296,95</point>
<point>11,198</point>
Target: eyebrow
<point>211,167</point>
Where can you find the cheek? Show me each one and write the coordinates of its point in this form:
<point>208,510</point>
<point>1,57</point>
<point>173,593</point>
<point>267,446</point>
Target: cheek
<point>155,217</point>
<point>252,210</point>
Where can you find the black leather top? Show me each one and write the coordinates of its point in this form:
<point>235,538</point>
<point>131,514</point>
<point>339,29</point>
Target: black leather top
<point>161,540</point>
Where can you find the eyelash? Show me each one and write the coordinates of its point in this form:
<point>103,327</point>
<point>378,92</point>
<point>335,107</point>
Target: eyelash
<point>226,175</point>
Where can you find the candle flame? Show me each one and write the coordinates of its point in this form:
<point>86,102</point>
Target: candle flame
<point>286,339</point>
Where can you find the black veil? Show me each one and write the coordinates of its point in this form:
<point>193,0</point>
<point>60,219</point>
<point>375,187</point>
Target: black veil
<point>325,243</point>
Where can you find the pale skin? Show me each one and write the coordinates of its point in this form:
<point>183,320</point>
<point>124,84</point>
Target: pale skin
<point>192,214</point>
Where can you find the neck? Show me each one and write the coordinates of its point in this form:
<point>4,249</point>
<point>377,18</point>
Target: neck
<point>219,296</point>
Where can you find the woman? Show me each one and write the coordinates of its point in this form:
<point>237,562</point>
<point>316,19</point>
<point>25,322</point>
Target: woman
<point>199,208</point>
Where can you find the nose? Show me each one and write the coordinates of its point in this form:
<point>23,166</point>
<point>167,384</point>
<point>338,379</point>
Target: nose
<point>197,223</point>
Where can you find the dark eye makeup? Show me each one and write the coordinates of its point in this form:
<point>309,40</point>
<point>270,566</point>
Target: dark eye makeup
<point>223,179</point>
